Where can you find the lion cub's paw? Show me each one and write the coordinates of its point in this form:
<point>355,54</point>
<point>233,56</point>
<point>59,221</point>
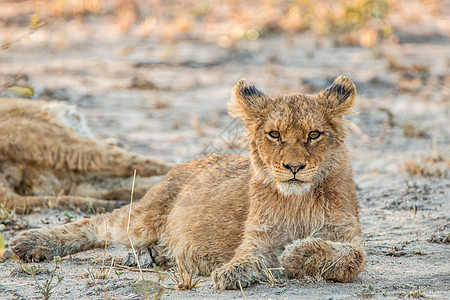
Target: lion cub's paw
<point>148,258</point>
<point>229,277</point>
<point>27,247</point>
<point>292,261</point>
<point>306,257</point>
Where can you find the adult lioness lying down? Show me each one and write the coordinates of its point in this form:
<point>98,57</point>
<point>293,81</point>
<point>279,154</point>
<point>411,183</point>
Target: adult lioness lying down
<point>292,203</point>
<point>48,157</point>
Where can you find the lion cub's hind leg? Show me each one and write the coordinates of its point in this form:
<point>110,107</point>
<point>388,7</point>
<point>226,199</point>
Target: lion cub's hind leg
<point>143,226</point>
<point>148,258</point>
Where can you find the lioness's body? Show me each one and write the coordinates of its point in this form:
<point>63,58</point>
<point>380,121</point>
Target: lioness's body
<point>291,203</point>
<point>48,155</point>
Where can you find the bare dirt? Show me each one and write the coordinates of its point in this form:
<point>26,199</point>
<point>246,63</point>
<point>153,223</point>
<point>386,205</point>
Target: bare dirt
<point>168,99</point>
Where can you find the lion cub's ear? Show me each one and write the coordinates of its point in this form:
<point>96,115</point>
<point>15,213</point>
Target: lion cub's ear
<point>340,97</point>
<point>248,102</point>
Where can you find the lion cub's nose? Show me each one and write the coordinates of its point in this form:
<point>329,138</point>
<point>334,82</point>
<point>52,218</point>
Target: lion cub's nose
<point>294,169</point>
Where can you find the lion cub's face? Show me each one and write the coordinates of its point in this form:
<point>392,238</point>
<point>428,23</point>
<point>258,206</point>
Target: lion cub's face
<point>294,138</point>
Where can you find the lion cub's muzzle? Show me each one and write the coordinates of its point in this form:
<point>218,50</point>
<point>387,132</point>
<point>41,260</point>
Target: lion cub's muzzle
<point>294,173</point>
<point>294,168</point>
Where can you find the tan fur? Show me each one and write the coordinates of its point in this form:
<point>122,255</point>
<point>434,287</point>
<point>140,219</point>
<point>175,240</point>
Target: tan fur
<point>48,157</point>
<point>231,216</point>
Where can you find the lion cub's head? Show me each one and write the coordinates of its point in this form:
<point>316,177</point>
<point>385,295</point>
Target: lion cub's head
<point>295,139</point>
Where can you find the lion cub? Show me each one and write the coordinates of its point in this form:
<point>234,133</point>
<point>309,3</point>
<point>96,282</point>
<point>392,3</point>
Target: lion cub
<point>292,203</point>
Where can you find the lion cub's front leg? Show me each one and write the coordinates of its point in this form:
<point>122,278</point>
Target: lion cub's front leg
<point>329,260</point>
<point>258,251</point>
<point>240,272</point>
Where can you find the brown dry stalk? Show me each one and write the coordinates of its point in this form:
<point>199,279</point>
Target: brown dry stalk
<point>336,261</point>
<point>128,227</point>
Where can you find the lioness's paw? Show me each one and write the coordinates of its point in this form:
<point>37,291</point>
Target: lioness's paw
<point>229,277</point>
<point>28,249</point>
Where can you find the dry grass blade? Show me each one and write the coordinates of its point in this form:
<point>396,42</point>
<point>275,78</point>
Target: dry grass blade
<point>269,274</point>
<point>184,279</point>
<point>106,246</point>
<point>135,269</point>
<point>100,275</point>
<point>242,290</point>
<point>35,23</point>
<point>336,261</point>
<point>128,226</point>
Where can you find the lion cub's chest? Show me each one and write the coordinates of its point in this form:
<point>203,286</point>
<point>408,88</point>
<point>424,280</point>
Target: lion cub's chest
<point>296,218</point>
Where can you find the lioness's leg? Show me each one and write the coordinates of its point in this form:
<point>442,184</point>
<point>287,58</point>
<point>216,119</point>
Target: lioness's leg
<point>114,161</point>
<point>92,158</point>
<point>22,204</point>
<point>326,259</point>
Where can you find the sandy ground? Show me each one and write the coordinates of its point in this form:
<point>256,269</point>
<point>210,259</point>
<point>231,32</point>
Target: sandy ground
<point>169,100</point>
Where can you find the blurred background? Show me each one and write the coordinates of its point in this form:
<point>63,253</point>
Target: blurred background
<point>143,71</point>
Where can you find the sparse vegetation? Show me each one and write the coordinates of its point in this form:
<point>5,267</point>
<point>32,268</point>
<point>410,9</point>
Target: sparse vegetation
<point>361,22</point>
<point>66,217</point>
<point>415,293</point>
<point>183,278</point>
<point>102,274</point>
<point>440,239</point>
<point>149,289</point>
<point>2,246</point>
<point>6,214</point>
<point>368,292</point>
<point>269,272</point>
<point>426,169</point>
<point>47,287</point>
<point>242,290</point>
<point>413,130</point>
<point>128,226</point>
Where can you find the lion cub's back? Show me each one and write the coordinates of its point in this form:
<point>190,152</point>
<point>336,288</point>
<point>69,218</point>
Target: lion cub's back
<point>206,223</point>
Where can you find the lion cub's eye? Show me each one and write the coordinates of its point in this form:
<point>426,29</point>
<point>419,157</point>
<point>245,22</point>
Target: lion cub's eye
<point>274,134</point>
<point>314,135</point>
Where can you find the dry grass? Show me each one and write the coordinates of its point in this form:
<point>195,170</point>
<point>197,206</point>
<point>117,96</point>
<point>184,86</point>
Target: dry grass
<point>36,22</point>
<point>361,22</point>
<point>427,168</point>
<point>368,292</point>
<point>434,164</point>
<point>103,273</point>
<point>2,247</point>
<point>268,272</point>
<point>6,214</point>
<point>184,279</point>
<point>415,293</point>
<point>47,287</point>
<point>441,239</point>
<point>128,226</point>
<point>242,290</point>
<point>150,289</point>
<point>413,130</point>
